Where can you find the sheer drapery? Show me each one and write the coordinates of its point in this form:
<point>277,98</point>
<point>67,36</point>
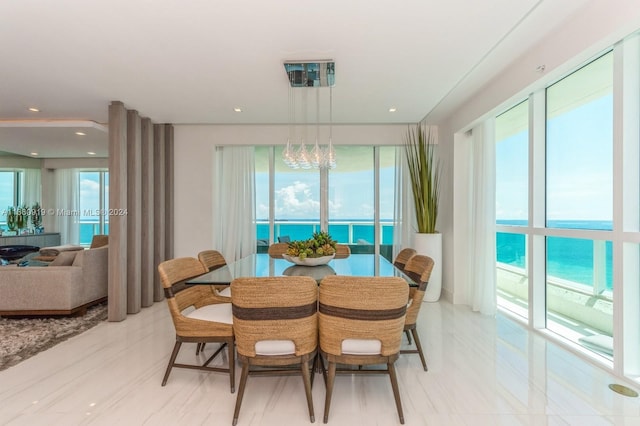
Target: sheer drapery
<point>65,211</point>
<point>31,187</point>
<point>404,213</point>
<point>481,249</point>
<point>234,228</point>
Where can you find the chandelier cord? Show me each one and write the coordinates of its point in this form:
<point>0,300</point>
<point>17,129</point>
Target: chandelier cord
<point>306,76</point>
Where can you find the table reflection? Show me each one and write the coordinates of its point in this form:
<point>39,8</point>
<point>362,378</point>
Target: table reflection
<point>315,272</point>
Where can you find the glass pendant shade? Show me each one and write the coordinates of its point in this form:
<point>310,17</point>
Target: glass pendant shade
<point>304,76</point>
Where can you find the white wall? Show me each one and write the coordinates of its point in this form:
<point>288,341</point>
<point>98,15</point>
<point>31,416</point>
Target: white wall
<point>193,160</point>
<point>598,26</point>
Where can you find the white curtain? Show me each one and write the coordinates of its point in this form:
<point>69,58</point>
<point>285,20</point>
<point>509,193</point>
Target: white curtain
<point>234,228</point>
<point>66,209</point>
<point>481,277</point>
<point>404,213</point>
<point>31,187</point>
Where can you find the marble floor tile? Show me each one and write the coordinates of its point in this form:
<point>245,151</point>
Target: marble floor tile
<point>482,371</point>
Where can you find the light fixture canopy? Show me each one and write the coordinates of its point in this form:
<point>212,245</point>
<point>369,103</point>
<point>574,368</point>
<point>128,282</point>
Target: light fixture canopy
<point>302,76</point>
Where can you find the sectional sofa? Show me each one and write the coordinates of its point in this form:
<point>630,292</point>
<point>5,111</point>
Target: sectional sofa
<point>70,284</point>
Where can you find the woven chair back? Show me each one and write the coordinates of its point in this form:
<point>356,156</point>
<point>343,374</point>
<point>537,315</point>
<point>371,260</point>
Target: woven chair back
<point>275,308</point>
<point>211,259</point>
<point>418,269</point>
<point>403,257</point>
<point>173,274</point>
<point>342,251</point>
<point>362,308</point>
<point>276,250</point>
<point>99,241</point>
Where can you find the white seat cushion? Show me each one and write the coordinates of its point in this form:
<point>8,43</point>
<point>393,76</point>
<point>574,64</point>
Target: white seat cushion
<point>275,347</point>
<point>361,347</point>
<point>220,312</point>
<point>226,292</point>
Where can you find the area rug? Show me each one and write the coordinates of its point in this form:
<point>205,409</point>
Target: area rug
<point>22,338</point>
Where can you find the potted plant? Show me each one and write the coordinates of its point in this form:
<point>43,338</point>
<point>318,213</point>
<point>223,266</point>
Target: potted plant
<point>424,174</point>
<point>36,218</point>
<point>22,217</point>
<point>11,219</point>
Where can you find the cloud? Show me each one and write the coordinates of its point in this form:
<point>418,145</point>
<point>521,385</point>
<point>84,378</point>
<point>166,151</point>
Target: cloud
<point>296,201</point>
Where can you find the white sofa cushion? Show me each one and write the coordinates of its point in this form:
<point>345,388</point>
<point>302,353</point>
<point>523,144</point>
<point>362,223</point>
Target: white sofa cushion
<point>226,292</point>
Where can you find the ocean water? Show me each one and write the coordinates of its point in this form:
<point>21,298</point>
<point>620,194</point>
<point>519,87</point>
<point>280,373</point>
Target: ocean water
<point>88,230</point>
<point>570,259</point>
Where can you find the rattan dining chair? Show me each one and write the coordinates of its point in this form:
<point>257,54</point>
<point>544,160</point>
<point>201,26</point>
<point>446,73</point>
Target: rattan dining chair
<point>210,321</point>
<point>276,325</point>
<point>213,259</point>
<point>403,257</point>
<point>358,327</point>
<point>418,269</point>
<point>99,240</point>
<point>276,250</point>
<point>342,251</point>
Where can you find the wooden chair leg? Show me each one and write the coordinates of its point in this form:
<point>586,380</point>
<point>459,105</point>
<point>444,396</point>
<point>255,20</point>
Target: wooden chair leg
<point>330,379</point>
<point>408,335</point>
<point>396,391</point>
<point>172,360</point>
<point>243,382</point>
<point>419,347</point>
<point>314,368</point>
<point>304,366</point>
<point>232,365</point>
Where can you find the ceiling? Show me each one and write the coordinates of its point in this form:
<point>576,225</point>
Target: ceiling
<point>194,62</point>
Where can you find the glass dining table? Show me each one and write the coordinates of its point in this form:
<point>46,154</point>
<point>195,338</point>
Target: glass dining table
<point>262,265</point>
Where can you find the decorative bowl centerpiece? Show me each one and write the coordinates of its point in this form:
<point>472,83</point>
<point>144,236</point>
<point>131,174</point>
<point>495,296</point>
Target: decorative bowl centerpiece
<point>309,261</point>
<point>317,250</point>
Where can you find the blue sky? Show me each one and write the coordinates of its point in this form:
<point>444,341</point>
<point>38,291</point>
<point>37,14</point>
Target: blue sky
<point>579,166</point>
<point>351,194</point>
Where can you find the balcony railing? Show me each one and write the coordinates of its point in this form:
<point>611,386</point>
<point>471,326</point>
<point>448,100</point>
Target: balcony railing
<point>347,232</point>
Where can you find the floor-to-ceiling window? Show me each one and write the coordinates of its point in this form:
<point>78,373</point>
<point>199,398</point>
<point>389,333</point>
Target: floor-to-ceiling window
<point>8,192</point>
<point>579,199</point>
<point>512,200</point>
<point>94,204</point>
<point>573,176</point>
<point>350,203</point>
<point>351,197</point>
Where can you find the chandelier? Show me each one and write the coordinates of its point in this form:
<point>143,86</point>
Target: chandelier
<point>304,78</point>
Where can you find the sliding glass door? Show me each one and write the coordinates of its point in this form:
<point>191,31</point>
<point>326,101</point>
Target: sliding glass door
<point>289,201</point>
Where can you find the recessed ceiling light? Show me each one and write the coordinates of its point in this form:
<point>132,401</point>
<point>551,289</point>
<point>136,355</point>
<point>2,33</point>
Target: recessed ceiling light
<point>81,133</point>
<point>392,109</point>
<point>236,109</point>
<point>32,109</point>
<point>91,153</point>
<point>34,153</point>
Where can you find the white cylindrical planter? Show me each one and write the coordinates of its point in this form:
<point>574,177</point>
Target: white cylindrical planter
<point>431,245</point>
